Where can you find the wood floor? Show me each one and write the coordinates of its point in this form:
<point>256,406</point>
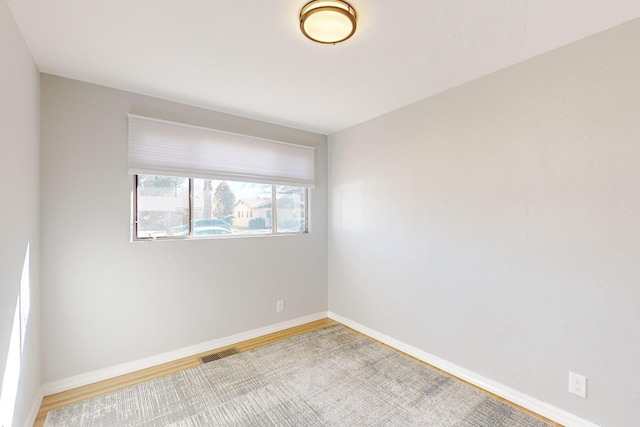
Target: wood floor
<point>58,400</point>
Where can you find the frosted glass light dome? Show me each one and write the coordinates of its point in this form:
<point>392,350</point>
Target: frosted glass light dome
<point>328,21</point>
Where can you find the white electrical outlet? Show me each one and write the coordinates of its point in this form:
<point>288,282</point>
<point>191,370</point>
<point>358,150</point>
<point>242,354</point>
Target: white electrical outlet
<point>280,305</point>
<point>578,385</point>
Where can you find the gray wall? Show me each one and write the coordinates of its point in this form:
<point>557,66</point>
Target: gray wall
<point>497,225</point>
<point>112,301</point>
<point>19,215</point>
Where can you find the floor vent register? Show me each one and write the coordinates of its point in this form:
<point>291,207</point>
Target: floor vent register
<point>219,355</point>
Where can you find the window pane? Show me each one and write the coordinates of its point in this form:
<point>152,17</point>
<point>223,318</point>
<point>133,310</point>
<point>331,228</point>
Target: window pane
<point>163,206</point>
<point>218,208</point>
<point>291,208</point>
<point>229,207</point>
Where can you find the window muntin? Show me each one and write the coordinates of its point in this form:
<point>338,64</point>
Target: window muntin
<point>172,207</point>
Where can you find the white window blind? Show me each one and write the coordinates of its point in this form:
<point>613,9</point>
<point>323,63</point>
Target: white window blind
<point>158,147</point>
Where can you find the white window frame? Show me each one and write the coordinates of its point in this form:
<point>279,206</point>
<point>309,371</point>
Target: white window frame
<point>273,230</point>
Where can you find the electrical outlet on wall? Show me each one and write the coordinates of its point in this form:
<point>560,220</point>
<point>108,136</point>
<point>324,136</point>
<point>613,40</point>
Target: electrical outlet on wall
<point>578,385</point>
<point>280,305</point>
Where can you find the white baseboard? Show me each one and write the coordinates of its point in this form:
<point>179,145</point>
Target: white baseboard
<point>126,368</point>
<point>35,407</point>
<point>539,407</point>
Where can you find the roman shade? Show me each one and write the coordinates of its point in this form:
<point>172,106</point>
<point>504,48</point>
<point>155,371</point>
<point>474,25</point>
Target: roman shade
<point>159,147</point>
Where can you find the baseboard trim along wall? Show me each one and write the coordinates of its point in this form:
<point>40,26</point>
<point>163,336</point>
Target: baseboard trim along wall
<point>35,407</point>
<point>129,367</point>
<point>514,396</point>
<point>526,401</point>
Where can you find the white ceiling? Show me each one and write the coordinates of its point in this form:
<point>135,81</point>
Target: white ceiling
<point>248,57</point>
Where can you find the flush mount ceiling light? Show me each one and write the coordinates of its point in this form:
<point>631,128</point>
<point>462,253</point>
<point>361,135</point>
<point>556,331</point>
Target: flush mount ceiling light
<point>328,21</point>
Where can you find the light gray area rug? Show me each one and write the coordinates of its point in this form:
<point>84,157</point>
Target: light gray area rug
<point>329,377</point>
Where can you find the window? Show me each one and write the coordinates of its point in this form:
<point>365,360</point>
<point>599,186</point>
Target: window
<point>192,181</point>
<point>191,207</point>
